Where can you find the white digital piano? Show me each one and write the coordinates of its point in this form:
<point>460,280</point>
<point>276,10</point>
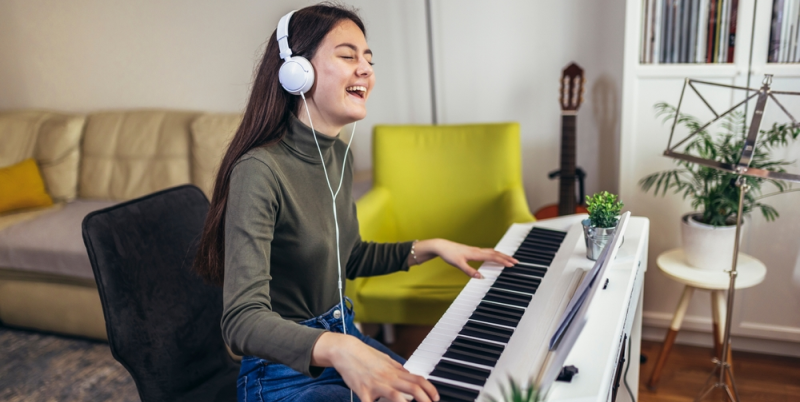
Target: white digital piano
<point>499,327</point>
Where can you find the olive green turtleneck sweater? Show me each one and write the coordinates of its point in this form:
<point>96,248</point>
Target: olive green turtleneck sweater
<point>280,246</point>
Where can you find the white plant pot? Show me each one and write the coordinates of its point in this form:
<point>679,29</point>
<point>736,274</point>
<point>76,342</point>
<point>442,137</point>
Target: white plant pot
<point>707,247</point>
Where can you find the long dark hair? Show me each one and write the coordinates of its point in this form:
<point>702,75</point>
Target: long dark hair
<point>265,121</point>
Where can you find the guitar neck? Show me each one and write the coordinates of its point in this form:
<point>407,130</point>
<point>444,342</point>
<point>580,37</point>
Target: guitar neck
<point>566,193</point>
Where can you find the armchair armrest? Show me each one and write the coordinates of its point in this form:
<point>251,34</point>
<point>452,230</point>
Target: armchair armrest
<point>515,207</point>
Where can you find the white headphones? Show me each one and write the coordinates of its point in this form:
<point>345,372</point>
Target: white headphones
<point>296,74</point>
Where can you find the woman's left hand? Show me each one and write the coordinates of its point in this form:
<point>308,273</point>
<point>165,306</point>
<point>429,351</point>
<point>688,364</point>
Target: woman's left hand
<point>457,255</point>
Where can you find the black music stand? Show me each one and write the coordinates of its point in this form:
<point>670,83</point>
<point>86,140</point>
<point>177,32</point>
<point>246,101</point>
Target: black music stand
<point>741,169</point>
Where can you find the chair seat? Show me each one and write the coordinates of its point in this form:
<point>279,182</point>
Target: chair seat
<point>417,297</point>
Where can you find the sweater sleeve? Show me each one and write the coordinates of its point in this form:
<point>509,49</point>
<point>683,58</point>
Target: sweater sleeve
<point>371,259</point>
<point>249,326</point>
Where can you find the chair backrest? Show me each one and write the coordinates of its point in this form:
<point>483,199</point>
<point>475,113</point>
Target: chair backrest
<point>448,180</point>
<point>162,319</point>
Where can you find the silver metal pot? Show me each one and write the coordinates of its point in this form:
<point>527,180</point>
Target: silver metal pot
<point>596,238</point>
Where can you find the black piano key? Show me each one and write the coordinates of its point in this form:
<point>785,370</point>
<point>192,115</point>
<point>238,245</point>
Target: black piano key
<point>461,372</point>
<point>478,346</point>
<point>496,316</point>
<point>531,283</point>
<point>494,319</point>
<point>527,289</point>
<point>474,351</point>
<point>505,310</point>
<point>540,241</point>
<point>545,246</point>
<point>548,233</point>
<point>539,248</point>
<point>538,236</point>
<point>521,276</point>
<point>536,254</point>
<point>507,298</point>
<point>486,331</point>
<point>527,270</point>
<point>532,260</point>
<point>535,244</point>
<point>472,357</point>
<point>516,278</point>
<point>454,392</point>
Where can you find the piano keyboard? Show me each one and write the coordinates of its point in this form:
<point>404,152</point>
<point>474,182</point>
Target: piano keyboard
<point>463,349</point>
<point>498,327</point>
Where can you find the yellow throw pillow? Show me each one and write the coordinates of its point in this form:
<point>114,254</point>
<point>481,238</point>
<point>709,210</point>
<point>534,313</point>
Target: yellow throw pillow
<point>21,186</point>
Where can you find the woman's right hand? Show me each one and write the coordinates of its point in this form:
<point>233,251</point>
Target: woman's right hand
<point>370,373</point>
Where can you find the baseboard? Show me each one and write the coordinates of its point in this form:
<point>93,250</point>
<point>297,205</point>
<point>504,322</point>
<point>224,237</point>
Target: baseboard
<point>696,331</point>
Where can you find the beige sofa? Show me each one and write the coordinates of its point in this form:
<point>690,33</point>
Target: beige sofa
<point>89,162</point>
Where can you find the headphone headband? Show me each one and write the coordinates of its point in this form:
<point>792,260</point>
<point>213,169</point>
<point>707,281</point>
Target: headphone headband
<point>282,33</point>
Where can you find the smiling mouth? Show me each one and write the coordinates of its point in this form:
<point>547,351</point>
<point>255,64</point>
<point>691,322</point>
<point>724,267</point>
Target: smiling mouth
<point>357,90</point>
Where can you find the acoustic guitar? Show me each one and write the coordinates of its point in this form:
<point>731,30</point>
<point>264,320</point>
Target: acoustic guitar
<point>570,98</point>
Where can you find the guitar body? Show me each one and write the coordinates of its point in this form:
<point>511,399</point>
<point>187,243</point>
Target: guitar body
<point>571,98</point>
<point>551,211</point>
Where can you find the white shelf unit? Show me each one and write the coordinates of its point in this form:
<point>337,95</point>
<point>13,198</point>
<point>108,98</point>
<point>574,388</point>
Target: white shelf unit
<point>765,318</point>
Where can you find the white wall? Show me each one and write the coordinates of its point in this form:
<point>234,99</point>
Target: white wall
<point>495,60</point>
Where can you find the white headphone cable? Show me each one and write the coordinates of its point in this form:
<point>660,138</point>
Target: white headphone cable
<point>333,195</point>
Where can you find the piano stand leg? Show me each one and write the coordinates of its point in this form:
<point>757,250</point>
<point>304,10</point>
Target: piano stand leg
<point>388,333</point>
<point>674,327</point>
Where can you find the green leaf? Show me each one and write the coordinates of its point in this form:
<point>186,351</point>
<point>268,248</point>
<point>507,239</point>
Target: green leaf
<point>709,189</point>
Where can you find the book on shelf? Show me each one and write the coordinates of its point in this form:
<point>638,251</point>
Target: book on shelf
<point>784,32</point>
<point>689,31</point>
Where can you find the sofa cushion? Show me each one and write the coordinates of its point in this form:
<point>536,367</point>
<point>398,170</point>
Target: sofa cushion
<point>50,243</point>
<point>211,135</point>
<point>52,139</point>
<point>12,218</point>
<point>22,187</point>
<point>130,154</point>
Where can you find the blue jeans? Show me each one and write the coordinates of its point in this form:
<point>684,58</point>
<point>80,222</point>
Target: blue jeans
<point>262,380</point>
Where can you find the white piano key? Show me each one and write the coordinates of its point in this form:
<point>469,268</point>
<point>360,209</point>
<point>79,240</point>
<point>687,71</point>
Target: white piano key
<point>456,383</point>
<point>471,364</point>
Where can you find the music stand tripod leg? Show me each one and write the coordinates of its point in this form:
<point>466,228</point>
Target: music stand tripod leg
<point>723,366</point>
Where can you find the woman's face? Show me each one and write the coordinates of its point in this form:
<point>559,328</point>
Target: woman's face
<point>344,76</point>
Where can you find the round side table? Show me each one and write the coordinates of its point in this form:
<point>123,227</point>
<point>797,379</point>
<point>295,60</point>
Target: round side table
<point>673,264</point>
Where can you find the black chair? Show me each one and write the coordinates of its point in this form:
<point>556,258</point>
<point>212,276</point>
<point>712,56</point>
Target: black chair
<point>163,321</point>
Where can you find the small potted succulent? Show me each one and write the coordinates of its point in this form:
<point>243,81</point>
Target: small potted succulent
<point>599,228</point>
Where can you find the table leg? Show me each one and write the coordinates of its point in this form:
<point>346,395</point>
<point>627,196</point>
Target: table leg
<point>718,317</point>
<point>674,327</point>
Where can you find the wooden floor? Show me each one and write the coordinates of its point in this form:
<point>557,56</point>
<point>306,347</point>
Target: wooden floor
<point>758,377</point>
<point>41,367</point>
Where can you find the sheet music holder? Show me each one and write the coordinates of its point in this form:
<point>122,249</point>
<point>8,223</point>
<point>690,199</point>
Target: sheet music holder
<point>741,168</point>
<point>574,318</point>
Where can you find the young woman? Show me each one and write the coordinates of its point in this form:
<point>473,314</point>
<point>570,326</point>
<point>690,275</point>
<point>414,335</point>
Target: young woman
<point>270,235</point>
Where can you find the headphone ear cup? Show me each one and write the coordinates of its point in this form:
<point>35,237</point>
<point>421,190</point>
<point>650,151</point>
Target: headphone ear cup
<point>296,75</point>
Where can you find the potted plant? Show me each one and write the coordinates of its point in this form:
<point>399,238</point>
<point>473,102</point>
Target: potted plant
<point>599,228</point>
<point>518,393</point>
<point>708,234</point>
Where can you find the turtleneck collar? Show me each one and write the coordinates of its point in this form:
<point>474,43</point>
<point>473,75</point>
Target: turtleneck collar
<point>300,140</point>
